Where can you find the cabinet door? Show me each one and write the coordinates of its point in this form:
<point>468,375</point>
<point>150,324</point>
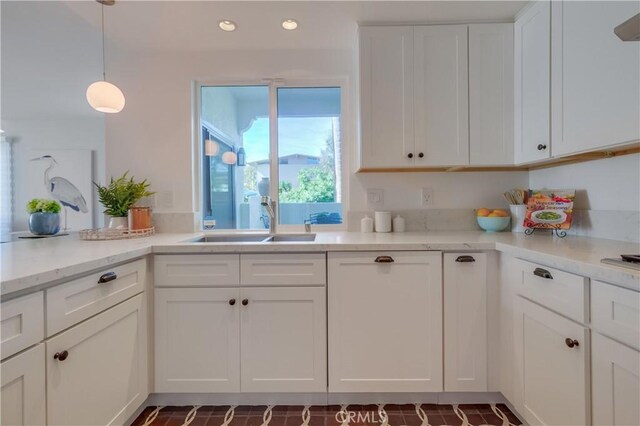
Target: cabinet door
<point>491,94</point>
<point>465,322</point>
<point>197,340</point>
<point>552,383</point>
<point>97,371</point>
<point>616,382</point>
<point>595,76</point>
<point>386,96</point>
<point>532,32</point>
<point>23,389</point>
<point>284,339</point>
<point>442,97</point>
<point>385,321</point>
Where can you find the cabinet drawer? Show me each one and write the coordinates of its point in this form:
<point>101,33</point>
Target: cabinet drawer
<point>615,312</point>
<point>197,270</point>
<point>21,323</point>
<point>559,291</point>
<point>283,269</point>
<point>80,299</point>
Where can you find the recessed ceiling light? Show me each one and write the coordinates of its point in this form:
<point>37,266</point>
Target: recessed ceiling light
<point>226,25</point>
<point>289,24</point>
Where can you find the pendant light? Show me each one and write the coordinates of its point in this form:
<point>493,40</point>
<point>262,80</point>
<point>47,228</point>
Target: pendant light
<point>102,95</point>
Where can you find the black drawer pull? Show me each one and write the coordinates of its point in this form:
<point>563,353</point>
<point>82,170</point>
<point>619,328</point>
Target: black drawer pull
<point>465,259</point>
<point>384,259</point>
<point>109,276</point>
<point>61,356</point>
<point>542,273</point>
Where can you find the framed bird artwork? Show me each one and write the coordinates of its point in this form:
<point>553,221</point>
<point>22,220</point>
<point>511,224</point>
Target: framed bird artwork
<point>64,175</point>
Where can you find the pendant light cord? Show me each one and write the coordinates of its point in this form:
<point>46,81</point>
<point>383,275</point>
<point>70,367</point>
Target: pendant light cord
<point>104,74</point>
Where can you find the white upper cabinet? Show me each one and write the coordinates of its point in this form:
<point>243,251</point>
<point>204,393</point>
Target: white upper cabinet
<point>491,94</point>
<point>532,32</point>
<point>595,77</point>
<point>386,96</point>
<point>442,97</point>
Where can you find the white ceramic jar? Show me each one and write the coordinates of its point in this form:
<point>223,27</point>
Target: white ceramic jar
<point>383,221</point>
<point>366,224</point>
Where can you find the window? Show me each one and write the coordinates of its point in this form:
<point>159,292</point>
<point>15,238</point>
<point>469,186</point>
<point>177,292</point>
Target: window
<point>239,148</point>
<point>6,188</point>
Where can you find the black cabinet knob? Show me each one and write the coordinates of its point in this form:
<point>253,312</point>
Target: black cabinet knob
<point>61,356</point>
<point>410,155</point>
<point>571,342</point>
<point>421,155</point>
<point>109,276</point>
<point>245,302</point>
<point>232,302</point>
<point>542,147</point>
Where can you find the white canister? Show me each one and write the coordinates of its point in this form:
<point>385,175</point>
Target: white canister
<point>398,224</point>
<point>518,212</point>
<point>366,224</point>
<point>383,221</point>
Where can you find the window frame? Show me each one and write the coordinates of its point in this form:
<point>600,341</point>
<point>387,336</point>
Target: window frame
<point>273,86</point>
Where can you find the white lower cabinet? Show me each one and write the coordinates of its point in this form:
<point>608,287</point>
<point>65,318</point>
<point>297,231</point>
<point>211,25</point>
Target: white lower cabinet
<point>241,340</point>
<point>197,340</point>
<point>23,389</point>
<point>616,382</point>
<point>97,370</point>
<point>465,322</point>
<point>385,321</point>
<point>552,367</point>
<point>284,339</point>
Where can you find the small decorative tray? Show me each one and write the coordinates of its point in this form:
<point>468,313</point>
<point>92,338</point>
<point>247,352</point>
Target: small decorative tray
<point>114,234</point>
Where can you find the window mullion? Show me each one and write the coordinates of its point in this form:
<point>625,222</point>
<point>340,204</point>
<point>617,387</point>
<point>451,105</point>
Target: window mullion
<point>273,146</point>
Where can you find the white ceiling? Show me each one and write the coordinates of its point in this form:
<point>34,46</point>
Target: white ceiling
<point>192,25</point>
<point>51,50</point>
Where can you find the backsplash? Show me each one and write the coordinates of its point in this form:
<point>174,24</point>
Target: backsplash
<point>607,224</point>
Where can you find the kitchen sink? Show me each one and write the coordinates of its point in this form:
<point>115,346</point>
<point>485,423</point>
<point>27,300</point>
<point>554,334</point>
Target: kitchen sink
<point>231,239</point>
<point>255,238</point>
<point>290,238</point>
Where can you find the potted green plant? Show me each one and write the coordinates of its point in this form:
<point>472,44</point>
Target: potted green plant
<point>44,216</point>
<point>119,196</point>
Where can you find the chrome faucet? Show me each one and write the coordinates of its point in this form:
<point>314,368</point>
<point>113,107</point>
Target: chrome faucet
<point>270,207</point>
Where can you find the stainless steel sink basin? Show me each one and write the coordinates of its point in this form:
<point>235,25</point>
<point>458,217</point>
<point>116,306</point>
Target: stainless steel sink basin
<point>290,238</point>
<point>255,238</point>
<point>232,238</point>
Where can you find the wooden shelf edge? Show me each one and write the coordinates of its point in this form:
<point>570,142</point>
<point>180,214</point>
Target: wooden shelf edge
<point>552,162</point>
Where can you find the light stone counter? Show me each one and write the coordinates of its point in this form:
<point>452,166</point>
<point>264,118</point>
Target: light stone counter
<point>28,265</point>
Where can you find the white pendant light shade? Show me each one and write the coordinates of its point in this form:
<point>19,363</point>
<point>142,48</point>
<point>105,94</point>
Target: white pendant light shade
<point>105,97</point>
<point>211,148</point>
<point>229,158</point>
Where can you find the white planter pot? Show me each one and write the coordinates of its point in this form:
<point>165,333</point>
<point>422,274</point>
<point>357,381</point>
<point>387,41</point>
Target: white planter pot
<point>118,223</point>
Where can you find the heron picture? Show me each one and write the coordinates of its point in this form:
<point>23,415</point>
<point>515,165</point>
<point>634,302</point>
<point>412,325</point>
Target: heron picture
<point>65,175</point>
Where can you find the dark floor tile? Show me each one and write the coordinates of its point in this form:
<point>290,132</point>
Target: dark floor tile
<point>492,419</point>
<point>468,408</point>
<point>199,421</point>
<point>219,410</point>
<point>395,419</point>
<point>431,408</point>
<point>451,420</point>
<point>412,419</point>
<point>475,419</point>
<point>445,409</point>
<point>324,409</point>
<point>175,421</point>
<point>484,408</point>
<point>246,410</point>
<point>435,419</point>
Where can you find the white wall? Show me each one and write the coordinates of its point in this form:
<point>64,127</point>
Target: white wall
<point>152,137</point>
<point>29,134</point>
<point>608,184</point>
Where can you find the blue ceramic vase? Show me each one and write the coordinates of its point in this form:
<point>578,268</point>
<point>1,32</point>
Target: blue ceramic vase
<point>41,223</point>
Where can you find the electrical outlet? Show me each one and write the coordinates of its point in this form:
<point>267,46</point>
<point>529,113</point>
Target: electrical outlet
<point>426,196</point>
<point>375,198</point>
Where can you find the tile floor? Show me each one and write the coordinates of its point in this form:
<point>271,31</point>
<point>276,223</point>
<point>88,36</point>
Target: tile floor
<point>361,415</point>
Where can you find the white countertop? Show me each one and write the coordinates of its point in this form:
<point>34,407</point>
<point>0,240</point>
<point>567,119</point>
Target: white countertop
<point>28,265</point>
